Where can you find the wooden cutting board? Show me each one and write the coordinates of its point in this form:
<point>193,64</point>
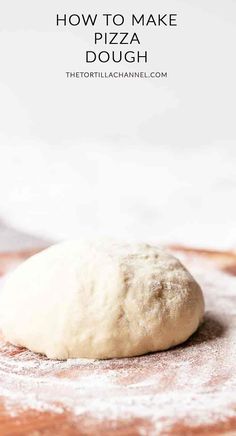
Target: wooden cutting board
<point>189,390</point>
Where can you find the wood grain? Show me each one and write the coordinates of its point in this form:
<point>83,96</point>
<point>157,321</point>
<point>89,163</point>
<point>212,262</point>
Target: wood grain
<point>209,345</point>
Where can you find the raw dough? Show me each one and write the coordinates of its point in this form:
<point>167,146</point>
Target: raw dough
<point>100,300</point>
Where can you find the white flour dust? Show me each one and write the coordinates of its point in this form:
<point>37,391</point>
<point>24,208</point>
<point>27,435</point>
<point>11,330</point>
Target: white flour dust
<point>194,383</point>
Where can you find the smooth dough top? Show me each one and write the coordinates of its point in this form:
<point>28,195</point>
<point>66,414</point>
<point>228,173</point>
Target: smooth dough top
<point>100,300</point>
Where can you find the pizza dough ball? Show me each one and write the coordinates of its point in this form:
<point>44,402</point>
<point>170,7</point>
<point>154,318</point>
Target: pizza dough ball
<point>100,300</point>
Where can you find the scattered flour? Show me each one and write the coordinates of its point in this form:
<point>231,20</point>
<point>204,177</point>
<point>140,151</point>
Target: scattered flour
<point>194,383</point>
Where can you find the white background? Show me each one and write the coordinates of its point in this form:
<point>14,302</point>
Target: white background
<point>144,159</point>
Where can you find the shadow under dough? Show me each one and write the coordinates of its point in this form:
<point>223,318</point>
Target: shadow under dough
<point>212,328</point>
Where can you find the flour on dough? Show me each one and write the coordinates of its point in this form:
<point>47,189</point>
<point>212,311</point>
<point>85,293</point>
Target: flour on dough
<point>100,300</point>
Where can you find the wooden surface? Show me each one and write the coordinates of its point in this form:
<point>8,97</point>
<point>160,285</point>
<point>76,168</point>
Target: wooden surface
<point>41,397</point>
